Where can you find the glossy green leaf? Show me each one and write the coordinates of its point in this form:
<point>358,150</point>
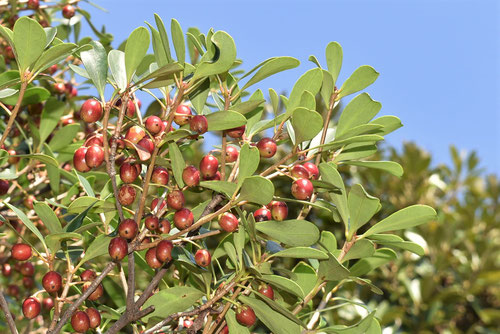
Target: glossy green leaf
<point>332,270</point>
<point>305,277</point>
<point>224,187</point>
<point>223,120</point>
<point>291,232</point>
<point>95,61</point>
<point>306,124</point>
<point>172,300</point>
<point>163,37</point>
<point>359,111</point>
<point>256,189</point>
<point>360,327</point>
<point>362,207</point>
<point>178,40</point>
<point>199,96</point>
<point>218,60</point>
<point>177,162</point>
<point>64,136</point>
<point>8,35</point>
<point>284,284</point>
<point>355,151</point>
<point>116,60</point>
<point>330,174</point>
<point>280,309</point>
<point>247,106</point>
<point>29,40</point>
<point>272,67</point>
<point>302,253</point>
<point>389,123</point>
<point>310,81</point>
<point>7,92</point>
<point>53,55</point>
<point>40,157</point>
<point>54,239</point>
<point>361,249</point>
<point>361,78</point>
<point>396,241</point>
<point>276,322</point>
<point>334,56</point>
<point>97,248</point>
<point>389,166</point>
<point>135,50</point>
<point>27,222</point>
<point>327,88</point>
<point>405,218</point>
<point>32,95</point>
<point>50,33</point>
<point>379,258</point>
<point>159,51</point>
<point>249,162</point>
<point>51,115</point>
<point>328,241</point>
<point>161,74</point>
<point>356,139</point>
<point>48,217</point>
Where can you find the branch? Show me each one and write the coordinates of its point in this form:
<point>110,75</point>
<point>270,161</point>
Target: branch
<point>8,315</point>
<point>13,116</point>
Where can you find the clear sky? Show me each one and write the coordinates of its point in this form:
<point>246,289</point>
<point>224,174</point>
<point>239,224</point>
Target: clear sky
<point>439,61</point>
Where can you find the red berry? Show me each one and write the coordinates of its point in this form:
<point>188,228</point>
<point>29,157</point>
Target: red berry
<point>262,214</point>
<point>225,330</point>
<point>164,226</point>
<point>118,248</point>
<point>151,222</point>
<point>126,195</point>
<point>13,290</point>
<point>312,169</point>
<point>33,4</point>
<point>182,114</point>
<point>131,108</point>
<point>175,200</point>
<point>164,251</point>
<point>79,161</point>
<point>299,172</point>
<point>4,187</point>
<point>236,132</point>
<point>80,322</point>
<point>94,156</point>
<point>147,144</point>
<point>28,282</point>
<point>21,252</point>
<point>27,269</point>
<point>187,323</point>
<point>228,222</point>
<point>199,124</point>
<point>302,189</point>
<point>9,52</point>
<point>152,260</point>
<point>6,269</point>
<point>191,176</point>
<point>52,282</point>
<point>28,201</point>
<point>128,172</point>
<point>53,69</point>
<point>91,111</point>
<point>208,166</point>
<point>246,316</point>
<point>68,11</point>
<point>134,135</point>
<point>47,303</point>
<point>231,154</point>
<point>12,157</point>
<point>98,292</point>
<point>94,317</point>
<point>183,218</point>
<point>96,139</point>
<point>59,88</point>
<point>155,202</point>
<point>267,147</point>
<point>202,258</point>
<point>31,308</point>
<point>267,291</point>
<point>88,275</point>
<point>153,124</point>
<point>279,210</point>
<point>160,175</point>
<point>128,229</point>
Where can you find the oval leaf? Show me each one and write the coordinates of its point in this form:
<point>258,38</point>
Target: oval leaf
<point>291,232</point>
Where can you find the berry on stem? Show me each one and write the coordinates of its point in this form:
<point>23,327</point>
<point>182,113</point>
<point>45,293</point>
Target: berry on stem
<point>153,124</point>
<point>128,229</point>
<point>31,308</point>
<point>134,135</point>
<point>118,249</point>
<point>267,147</point>
<point>79,161</point>
<point>175,200</point>
<point>160,175</point>
<point>182,114</point>
<point>302,189</point>
<point>52,282</point>
<point>183,218</point>
<point>208,166</point>
<point>164,251</point>
<point>312,169</point>
<point>231,154</point>
<point>198,124</point>
<point>80,321</point>
<point>279,210</point>
<point>128,172</point>
<point>126,195</point>
<point>236,132</point>
<point>262,214</point>
<point>21,252</point>
<point>151,222</point>
<point>94,156</point>
<point>228,222</point>
<point>68,11</point>
<point>299,172</point>
<point>246,316</point>
<point>94,317</point>
<point>267,291</point>
<point>191,176</point>
<point>202,258</point>
<point>152,260</point>
<point>164,226</point>
<point>91,111</point>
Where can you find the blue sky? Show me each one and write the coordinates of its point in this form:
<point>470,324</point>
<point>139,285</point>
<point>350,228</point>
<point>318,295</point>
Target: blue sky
<point>439,61</point>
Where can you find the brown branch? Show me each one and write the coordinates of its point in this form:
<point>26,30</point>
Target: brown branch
<point>8,315</point>
<point>13,115</point>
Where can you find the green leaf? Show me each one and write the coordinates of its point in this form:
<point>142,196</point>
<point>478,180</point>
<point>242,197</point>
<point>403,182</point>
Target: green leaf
<point>334,56</point>
<point>328,241</point>
<point>54,240</point>
<point>161,74</point>
<point>95,61</point>
<point>231,253</point>
<point>379,258</point>
<point>281,309</point>
<point>178,162</point>
<point>361,249</point>
<point>178,40</point>
<point>53,55</point>
<point>396,241</point>
<point>32,95</point>
<point>223,120</point>
<point>291,232</point>
<point>276,322</point>
<point>305,277</point>
<point>50,33</point>
<point>135,50</point>
<point>310,81</point>
<point>27,222</point>
<point>306,124</point>
<point>256,189</point>
<point>163,37</point>
<point>98,247</point>
<point>9,37</point>
<point>327,88</point>
<point>360,327</point>
<point>249,162</point>
<point>51,115</point>
<point>199,96</point>
<point>75,224</point>
<point>331,175</point>
<point>159,51</point>
<point>284,284</point>
<point>172,300</point>
<point>82,203</point>
<point>271,67</point>
<point>48,217</point>
<point>361,78</point>
<point>389,166</point>
<point>224,187</point>
<point>356,151</point>
<point>359,111</point>
<point>8,92</point>
<point>40,157</point>
<point>362,207</point>
<point>4,157</point>
<point>233,325</point>
<point>219,58</point>
<point>64,136</point>
<point>332,270</point>
<point>389,123</point>
<point>302,253</point>
<point>247,106</point>
<point>356,139</point>
<point>29,40</point>
<point>116,60</point>
<point>405,218</point>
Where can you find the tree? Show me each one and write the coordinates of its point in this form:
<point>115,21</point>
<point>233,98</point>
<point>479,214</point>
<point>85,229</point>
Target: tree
<point>90,192</point>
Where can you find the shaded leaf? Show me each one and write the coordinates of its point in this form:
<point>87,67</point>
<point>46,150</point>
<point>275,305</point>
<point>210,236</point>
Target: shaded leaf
<point>290,232</point>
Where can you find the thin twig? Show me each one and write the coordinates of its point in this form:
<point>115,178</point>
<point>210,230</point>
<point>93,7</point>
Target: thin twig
<point>8,315</point>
